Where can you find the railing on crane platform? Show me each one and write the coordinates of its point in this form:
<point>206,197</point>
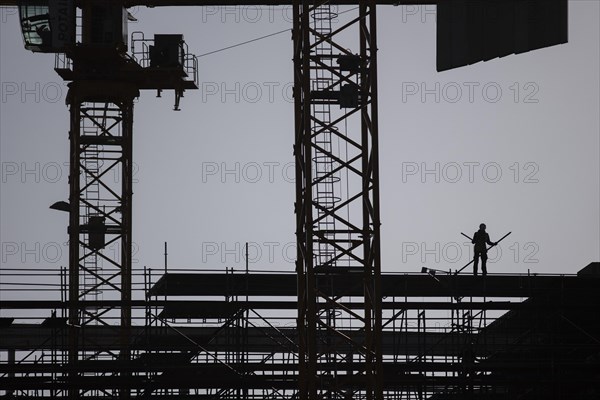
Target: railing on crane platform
<point>141,53</point>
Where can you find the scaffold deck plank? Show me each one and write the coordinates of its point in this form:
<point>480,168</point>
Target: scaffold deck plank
<point>393,285</point>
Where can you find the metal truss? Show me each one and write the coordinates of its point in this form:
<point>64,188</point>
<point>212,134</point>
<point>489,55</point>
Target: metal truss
<point>337,199</point>
<point>100,222</point>
<point>232,336</point>
<point>219,342</point>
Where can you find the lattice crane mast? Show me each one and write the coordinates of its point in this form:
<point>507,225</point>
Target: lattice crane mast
<point>337,231</point>
<point>90,39</point>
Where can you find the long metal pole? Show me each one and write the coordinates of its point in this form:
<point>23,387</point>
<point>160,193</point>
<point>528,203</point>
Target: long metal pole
<point>470,262</point>
<point>73,230</point>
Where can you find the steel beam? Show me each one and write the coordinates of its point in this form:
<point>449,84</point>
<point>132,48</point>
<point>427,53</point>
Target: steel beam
<point>209,308</point>
<point>348,283</point>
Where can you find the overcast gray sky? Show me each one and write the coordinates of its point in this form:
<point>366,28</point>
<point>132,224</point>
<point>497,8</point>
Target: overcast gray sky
<point>513,142</point>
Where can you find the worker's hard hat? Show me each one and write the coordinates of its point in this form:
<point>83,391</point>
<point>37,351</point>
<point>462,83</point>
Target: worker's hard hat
<point>481,226</point>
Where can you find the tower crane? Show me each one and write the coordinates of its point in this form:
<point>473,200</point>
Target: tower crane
<point>334,82</point>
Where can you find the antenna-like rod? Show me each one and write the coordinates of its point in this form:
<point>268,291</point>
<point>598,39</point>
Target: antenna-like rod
<point>166,254</point>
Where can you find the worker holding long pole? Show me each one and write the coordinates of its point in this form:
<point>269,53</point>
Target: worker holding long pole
<point>480,239</point>
<point>479,247</point>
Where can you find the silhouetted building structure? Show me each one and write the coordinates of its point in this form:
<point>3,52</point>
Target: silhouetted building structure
<point>196,336</point>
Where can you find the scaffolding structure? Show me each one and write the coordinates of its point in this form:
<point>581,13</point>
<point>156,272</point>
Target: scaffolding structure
<point>333,329</point>
<point>232,335</point>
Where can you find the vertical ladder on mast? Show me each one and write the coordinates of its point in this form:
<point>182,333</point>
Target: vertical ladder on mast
<point>323,80</point>
<point>325,177</point>
<point>91,158</point>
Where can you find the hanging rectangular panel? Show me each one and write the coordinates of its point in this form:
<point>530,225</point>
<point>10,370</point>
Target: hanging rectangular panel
<point>471,31</point>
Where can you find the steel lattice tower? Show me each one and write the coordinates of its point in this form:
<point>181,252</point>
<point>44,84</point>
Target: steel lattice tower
<point>100,215</point>
<point>330,91</point>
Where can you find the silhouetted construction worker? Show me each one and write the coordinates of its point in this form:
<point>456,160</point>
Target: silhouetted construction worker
<point>480,239</point>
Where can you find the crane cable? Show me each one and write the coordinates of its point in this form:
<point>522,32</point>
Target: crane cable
<point>257,39</point>
<point>243,43</point>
